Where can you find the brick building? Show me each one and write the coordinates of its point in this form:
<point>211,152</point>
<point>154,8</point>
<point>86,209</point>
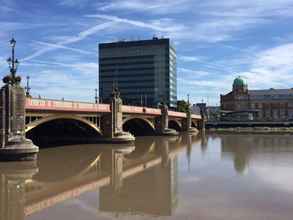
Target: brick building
<point>262,105</point>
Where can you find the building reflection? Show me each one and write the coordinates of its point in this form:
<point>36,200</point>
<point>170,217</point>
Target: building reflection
<point>137,180</point>
<point>153,192</point>
<point>204,141</point>
<point>241,148</point>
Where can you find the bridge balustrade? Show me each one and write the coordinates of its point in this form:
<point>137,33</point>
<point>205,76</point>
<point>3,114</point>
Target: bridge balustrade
<point>140,110</point>
<point>177,114</point>
<point>153,111</point>
<point>46,104</point>
<point>61,105</point>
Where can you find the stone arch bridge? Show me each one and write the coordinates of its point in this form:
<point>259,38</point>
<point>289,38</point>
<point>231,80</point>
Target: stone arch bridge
<point>137,120</point>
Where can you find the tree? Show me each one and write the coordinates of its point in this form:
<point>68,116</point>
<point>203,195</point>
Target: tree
<point>182,106</point>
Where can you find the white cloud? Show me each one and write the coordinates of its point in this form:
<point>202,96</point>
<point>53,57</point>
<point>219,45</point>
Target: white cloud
<point>217,30</point>
<point>82,68</point>
<point>69,40</point>
<point>154,7</point>
<point>11,26</point>
<point>58,46</point>
<point>268,68</point>
<point>248,9</point>
<point>275,173</point>
<point>157,25</point>
<point>74,3</point>
<point>55,83</point>
<point>206,84</point>
<point>217,20</point>
<point>7,6</point>
<point>208,30</point>
<point>192,73</point>
<point>2,60</point>
<point>189,58</point>
<point>272,68</point>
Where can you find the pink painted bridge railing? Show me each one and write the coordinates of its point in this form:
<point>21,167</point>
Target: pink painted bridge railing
<point>34,104</point>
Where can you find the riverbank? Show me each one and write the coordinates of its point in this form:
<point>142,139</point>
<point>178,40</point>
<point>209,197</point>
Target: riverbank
<point>275,130</point>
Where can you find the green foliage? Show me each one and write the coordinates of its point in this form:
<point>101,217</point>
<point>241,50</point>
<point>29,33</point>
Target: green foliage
<point>182,106</point>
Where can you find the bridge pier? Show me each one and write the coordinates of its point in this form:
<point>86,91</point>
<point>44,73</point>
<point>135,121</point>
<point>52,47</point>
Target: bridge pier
<point>112,163</point>
<point>161,123</point>
<point>186,122</point>
<point>202,107</point>
<point>111,123</point>
<point>14,145</point>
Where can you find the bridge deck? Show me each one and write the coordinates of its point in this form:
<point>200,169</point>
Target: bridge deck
<point>49,105</point>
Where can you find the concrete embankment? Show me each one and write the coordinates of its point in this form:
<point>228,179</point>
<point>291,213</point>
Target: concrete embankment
<point>254,129</point>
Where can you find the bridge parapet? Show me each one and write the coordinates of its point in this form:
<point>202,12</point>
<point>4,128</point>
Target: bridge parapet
<point>140,110</point>
<point>194,116</point>
<point>60,105</point>
<point>177,114</point>
<point>75,106</point>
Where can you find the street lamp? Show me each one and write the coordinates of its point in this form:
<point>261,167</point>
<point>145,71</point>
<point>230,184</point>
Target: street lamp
<point>12,42</point>
<point>12,62</point>
<point>96,96</point>
<point>16,64</point>
<point>27,88</point>
<point>9,61</point>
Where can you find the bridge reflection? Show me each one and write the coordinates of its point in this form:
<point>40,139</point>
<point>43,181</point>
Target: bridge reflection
<point>146,174</point>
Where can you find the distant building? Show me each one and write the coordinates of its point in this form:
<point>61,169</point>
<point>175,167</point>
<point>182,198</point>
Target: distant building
<point>195,109</point>
<point>213,113</point>
<point>259,105</point>
<point>144,71</point>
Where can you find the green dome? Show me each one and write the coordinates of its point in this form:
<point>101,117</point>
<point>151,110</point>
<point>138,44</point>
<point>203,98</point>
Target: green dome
<point>239,82</point>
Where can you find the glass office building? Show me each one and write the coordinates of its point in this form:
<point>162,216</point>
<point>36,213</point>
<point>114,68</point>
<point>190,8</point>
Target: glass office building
<point>144,71</point>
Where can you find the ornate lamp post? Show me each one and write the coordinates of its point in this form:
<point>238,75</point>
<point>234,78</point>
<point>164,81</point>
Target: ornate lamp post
<point>96,96</point>
<point>14,145</point>
<point>27,88</point>
<point>13,65</point>
<point>188,121</point>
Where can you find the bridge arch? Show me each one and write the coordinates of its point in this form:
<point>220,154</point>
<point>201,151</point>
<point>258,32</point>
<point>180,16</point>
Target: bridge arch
<point>194,124</point>
<point>139,126</point>
<point>143,146</point>
<point>176,125</point>
<point>36,123</point>
<point>58,130</point>
<point>68,162</point>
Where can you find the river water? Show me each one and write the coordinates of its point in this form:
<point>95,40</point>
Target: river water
<point>210,176</point>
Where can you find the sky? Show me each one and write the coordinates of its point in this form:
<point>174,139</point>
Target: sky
<point>215,41</point>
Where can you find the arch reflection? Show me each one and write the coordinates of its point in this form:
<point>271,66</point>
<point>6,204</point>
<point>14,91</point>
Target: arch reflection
<point>67,172</point>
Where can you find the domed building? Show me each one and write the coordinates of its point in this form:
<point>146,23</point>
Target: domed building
<point>240,85</point>
<point>242,104</point>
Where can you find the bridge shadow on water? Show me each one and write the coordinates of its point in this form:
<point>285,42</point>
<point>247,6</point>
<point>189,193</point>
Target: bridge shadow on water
<point>139,127</point>
<point>63,132</point>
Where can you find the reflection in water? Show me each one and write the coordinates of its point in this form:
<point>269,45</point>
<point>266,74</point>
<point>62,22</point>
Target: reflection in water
<point>13,178</point>
<point>243,147</point>
<point>158,197</point>
<point>151,179</point>
<point>204,141</point>
<point>123,175</point>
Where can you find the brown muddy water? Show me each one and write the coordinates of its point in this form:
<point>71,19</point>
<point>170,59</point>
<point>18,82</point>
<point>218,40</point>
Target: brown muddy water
<point>227,176</point>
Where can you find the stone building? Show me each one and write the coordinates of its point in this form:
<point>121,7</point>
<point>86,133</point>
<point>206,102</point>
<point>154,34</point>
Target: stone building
<point>259,105</point>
